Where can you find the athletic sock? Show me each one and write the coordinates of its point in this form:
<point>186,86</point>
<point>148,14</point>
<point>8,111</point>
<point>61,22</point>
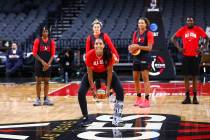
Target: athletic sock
<point>138,94</point>
<point>147,97</point>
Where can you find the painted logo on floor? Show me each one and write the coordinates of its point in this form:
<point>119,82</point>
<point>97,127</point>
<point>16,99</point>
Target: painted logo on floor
<point>151,126</point>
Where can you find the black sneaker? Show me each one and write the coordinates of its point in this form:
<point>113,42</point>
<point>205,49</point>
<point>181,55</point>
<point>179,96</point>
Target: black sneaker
<point>186,100</point>
<point>195,101</point>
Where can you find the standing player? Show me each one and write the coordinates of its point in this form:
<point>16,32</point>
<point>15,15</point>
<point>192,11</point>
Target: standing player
<point>142,43</point>
<point>96,26</point>
<point>99,62</point>
<point>43,51</point>
<point>190,35</point>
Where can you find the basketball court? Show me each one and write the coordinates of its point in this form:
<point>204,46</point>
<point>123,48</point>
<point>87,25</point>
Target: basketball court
<point>150,24</point>
<point>166,119</point>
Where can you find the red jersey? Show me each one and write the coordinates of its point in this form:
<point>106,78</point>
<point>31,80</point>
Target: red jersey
<point>190,39</point>
<point>43,48</point>
<point>141,39</point>
<point>107,40</point>
<point>96,63</point>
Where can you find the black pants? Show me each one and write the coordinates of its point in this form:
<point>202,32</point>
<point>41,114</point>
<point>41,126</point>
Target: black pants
<point>84,86</point>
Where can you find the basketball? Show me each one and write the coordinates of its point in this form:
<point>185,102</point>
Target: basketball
<point>101,94</point>
<point>134,51</point>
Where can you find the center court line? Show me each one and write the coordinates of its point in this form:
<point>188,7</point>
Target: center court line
<point>16,137</point>
<point>23,125</point>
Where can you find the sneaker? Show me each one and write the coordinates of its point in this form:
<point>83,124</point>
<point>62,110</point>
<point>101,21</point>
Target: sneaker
<point>119,124</point>
<point>186,100</point>
<point>112,98</point>
<point>47,102</point>
<point>138,101</point>
<point>145,103</point>
<point>195,101</point>
<point>37,102</point>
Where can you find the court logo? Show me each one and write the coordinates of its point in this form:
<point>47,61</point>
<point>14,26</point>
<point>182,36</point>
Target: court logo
<point>157,66</point>
<point>148,128</point>
<point>137,126</point>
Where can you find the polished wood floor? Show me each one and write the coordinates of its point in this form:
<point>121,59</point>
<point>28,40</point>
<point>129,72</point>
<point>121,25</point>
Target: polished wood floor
<point>16,106</point>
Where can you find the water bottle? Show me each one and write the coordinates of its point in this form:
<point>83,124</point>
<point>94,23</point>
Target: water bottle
<point>66,77</point>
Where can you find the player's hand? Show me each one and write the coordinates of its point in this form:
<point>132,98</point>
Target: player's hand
<point>44,63</point>
<point>93,92</point>
<point>116,60</point>
<point>46,67</point>
<point>107,92</point>
<point>133,47</point>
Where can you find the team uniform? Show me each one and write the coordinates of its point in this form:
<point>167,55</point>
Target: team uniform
<point>190,39</point>
<point>44,49</point>
<point>141,61</point>
<point>96,64</point>
<point>106,39</point>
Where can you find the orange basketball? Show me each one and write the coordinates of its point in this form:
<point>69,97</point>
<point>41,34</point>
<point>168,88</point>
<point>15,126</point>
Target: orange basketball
<point>101,94</point>
<point>134,52</point>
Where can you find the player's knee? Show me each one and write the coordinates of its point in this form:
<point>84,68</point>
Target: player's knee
<point>46,82</point>
<point>38,81</point>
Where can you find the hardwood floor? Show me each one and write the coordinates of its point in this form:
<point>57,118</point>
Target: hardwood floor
<point>16,106</point>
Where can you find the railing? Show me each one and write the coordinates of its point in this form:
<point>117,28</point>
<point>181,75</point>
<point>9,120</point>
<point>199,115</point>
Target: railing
<point>75,44</point>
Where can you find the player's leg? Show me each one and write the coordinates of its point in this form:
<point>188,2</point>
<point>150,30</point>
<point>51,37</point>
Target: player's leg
<point>37,101</point>
<point>47,101</point>
<point>118,106</point>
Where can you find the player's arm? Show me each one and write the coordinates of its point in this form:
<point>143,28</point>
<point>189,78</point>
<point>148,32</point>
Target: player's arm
<point>52,53</point>
<point>146,48</point>
<point>111,46</point>
<point>90,79</point>
<point>35,50</point>
<point>150,42</point>
<point>176,44</point>
<point>134,46</point>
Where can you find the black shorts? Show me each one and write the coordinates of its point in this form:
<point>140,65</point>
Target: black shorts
<point>191,65</point>
<point>40,73</point>
<point>140,67</point>
<point>141,64</point>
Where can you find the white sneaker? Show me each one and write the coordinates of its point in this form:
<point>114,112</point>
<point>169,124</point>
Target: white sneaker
<point>112,98</point>
<point>37,102</point>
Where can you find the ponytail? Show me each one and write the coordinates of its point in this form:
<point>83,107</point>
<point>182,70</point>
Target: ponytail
<point>107,56</point>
